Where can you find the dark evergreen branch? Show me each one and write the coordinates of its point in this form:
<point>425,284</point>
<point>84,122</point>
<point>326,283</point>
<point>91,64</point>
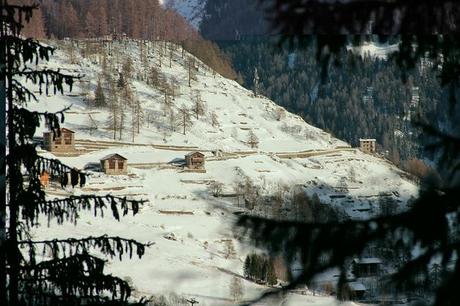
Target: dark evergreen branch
<point>339,242</point>
<point>67,209</point>
<point>32,51</point>
<point>80,274</point>
<point>111,246</point>
<point>47,298</point>
<point>22,93</point>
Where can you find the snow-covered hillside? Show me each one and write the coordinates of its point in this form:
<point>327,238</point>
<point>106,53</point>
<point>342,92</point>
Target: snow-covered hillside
<point>192,10</point>
<point>191,228</point>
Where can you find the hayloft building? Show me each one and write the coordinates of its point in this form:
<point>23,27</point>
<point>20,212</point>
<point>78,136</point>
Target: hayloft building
<point>65,142</point>
<point>114,164</point>
<point>195,160</point>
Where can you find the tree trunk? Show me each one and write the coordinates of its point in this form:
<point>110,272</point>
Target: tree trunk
<point>3,295</point>
<point>12,253</point>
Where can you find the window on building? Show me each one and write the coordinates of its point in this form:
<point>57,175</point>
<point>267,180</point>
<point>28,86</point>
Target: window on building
<point>112,164</point>
<point>68,139</point>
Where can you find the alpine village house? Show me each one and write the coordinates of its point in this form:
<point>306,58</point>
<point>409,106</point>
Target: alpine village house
<point>194,160</point>
<point>114,164</point>
<point>63,143</point>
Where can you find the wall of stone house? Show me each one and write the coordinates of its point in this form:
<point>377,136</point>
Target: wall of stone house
<point>51,146</point>
<point>116,171</point>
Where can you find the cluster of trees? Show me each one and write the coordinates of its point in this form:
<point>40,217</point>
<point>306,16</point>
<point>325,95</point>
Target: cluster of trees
<point>69,274</point>
<point>363,99</point>
<point>260,268</point>
<point>232,20</point>
<point>115,90</point>
<point>280,202</point>
<point>142,19</point>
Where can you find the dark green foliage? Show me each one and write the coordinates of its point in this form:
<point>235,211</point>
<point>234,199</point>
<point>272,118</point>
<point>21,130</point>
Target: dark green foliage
<point>99,96</point>
<point>359,100</point>
<point>431,224</point>
<point>70,276</point>
<point>271,275</point>
<point>260,268</point>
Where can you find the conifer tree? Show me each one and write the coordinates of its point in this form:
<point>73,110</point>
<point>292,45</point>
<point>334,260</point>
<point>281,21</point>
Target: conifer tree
<point>247,266</point>
<point>99,97</point>
<point>271,275</point>
<point>71,276</point>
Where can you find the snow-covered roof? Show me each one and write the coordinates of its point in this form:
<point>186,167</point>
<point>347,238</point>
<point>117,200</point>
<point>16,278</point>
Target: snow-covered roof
<point>369,260</point>
<point>367,139</point>
<point>115,155</point>
<point>356,286</point>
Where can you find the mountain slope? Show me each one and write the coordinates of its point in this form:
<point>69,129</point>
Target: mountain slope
<point>193,254</point>
<point>192,10</point>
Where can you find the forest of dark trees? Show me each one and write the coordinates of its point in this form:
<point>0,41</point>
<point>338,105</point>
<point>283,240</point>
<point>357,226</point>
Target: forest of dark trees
<point>365,98</point>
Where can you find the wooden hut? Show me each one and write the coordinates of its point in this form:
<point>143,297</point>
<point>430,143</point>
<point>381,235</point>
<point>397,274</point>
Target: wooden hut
<point>64,143</point>
<point>354,290</point>
<point>114,164</point>
<point>194,160</point>
<point>367,267</point>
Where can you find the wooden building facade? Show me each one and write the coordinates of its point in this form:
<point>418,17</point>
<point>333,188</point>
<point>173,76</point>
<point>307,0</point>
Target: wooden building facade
<point>367,145</point>
<point>64,143</point>
<point>195,160</point>
<point>114,164</point>
<point>367,267</point>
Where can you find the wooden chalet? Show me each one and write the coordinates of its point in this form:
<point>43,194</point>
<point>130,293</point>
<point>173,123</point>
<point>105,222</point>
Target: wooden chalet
<point>195,160</point>
<point>64,143</point>
<point>354,290</point>
<point>114,164</point>
<point>367,267</point>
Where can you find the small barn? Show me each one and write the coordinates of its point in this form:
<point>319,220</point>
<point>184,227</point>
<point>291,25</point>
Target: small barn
<point>64,143</point>
<point>354,290</point>
<point>367,145</point>
<point>195,160</point>
<point>367,267</point>
<point>114,164</point>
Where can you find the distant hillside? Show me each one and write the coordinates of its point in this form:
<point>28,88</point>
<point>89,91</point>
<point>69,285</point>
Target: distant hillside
<point>140,19</point>
<point>153,103</point>
<point>192,10</point>
<point>232,20</point>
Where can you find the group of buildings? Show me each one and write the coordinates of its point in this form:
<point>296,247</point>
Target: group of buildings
<point>113,164</point>
<point>116,164</point>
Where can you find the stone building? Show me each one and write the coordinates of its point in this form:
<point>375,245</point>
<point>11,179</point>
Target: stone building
<point>114,164</point>
<point>194,160</point>
<point>367,145</point>
<point>64,143</point>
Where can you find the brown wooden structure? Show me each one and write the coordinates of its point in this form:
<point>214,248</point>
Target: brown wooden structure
<point>64,143</point>
<point>367,267</point>
<point>367,145</point>
<point>195,160</point>
<point>114,164</point>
